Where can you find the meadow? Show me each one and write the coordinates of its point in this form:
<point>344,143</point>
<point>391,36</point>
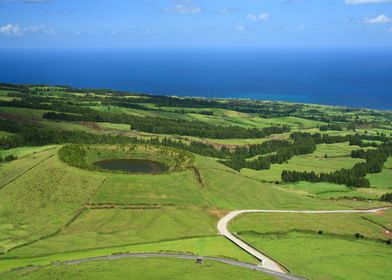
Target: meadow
<point>137,268</point>
<point>323,257</point>
<point>340,241</point>
<point>104,228</point>
<point>326,158</point>
<point>334,191</point>
<point>56,206</point>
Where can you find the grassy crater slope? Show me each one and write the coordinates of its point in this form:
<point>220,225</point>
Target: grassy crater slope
<point>84,156</point>
<point>40,197</point>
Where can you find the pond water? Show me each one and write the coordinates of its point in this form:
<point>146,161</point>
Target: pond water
<point>131,165</point>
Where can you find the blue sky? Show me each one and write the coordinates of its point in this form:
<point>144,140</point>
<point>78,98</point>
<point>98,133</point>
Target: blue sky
<point>195,23</point>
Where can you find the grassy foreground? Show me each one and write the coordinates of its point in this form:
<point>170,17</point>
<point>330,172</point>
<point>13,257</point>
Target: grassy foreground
<point>140,269</point>
<point>352,244</point>
<point>324,258</point>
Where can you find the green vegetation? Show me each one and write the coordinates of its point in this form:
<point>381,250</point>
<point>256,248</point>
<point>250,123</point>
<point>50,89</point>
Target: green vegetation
<point>334,191</point>
<point>104,227</point>
<point>85,156</point>
<point>354,177</point>
<point>4,134</point>
<point>311,162</point>
<point>179,188</point>
<point>24,151</point>
<point>154,268</point>
<point>56,205</point>
<point>204,246</point>
<point>350,259</point>
<point>335,225</point>
<point>354,244</point>
<point>386,197</point>
<point>33,208</point>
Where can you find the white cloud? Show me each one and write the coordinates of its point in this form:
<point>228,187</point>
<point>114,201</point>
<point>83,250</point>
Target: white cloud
<point>40,29</point>
<point>300,27</point>
<point>381,19</point>
<point>183,9</point>
<point>240,28</point>
<point>11,30</point>
<point>16,30</point>
<point>259,17</point>
<point>35,28</point>
<point>357,2</point>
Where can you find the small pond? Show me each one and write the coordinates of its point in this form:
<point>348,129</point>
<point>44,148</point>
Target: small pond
<point>132,165</point>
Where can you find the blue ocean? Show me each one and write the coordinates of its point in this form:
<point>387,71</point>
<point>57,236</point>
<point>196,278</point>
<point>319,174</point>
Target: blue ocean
<point>352,77</point>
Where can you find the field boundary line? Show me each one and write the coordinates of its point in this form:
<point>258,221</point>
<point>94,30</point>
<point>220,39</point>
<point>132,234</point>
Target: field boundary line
<point>375,223</point>
<point>34,166</point>
<point>108,247</point>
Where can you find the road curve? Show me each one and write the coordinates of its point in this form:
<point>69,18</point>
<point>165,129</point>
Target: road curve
<point>276,274</point>
<point>265,261</point>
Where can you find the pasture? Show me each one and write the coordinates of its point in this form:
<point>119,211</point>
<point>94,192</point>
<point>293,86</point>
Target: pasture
<point>150,268</point>
<point>53,210</point>
<point>350,243</point>
<point>325,257</point>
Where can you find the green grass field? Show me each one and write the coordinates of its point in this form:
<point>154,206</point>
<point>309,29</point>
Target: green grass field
<point>301,163</point>
<point>381,180</point>
<point>333,191</point>
<point>66,126</point>
<point>122,127</point>
<point>29,114</point>
<point>13,170</point>
<point>151,268</point>
<point>181,188</point>
<point>325,241</point>
<point>203,246</point>
<point>189,225</point>
<point>102,228</point>
<point>337,158</point>
<point>51,212</point>
<point>31,208</point>
<point>25,151</point>
<point>344,225</point>
<point>323,257</point>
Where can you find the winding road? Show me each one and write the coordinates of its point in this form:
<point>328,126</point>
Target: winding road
<point>277,274</point>
<point>267,265</point>
<point>265,261</point>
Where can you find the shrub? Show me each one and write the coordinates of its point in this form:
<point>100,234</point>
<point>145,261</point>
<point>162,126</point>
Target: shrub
<point>8,158</point>
<point>386,197</point>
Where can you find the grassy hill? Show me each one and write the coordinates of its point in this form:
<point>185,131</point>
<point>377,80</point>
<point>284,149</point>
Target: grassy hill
<point>60,208</point>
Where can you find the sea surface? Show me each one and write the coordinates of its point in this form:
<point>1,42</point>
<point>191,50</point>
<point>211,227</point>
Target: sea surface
<point>351,77</point>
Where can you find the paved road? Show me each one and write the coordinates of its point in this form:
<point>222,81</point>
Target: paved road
<point>267,262</point>
<point>279,275</point>
<point>267,265</point>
